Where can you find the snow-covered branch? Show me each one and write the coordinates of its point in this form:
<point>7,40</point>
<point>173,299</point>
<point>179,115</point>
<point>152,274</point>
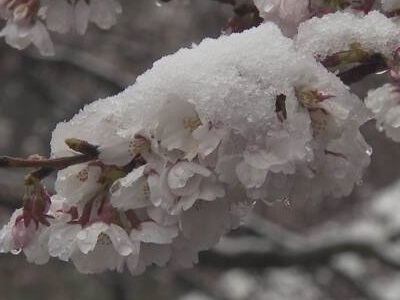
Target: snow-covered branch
<point>310,254</point>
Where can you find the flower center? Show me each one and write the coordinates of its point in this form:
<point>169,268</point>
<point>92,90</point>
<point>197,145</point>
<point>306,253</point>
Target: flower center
<point>83,175</point>
<point>311,100</point>
<point>319,121</point>
<point>104,239</point>
<point>146,190</point>
<point>139,145</point>
<point>191,123</point>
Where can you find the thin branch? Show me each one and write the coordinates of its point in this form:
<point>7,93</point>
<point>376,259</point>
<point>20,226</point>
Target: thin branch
<point>322,284</point>
<point>287,249</point>
<point>309,255</point>
<point>45,166</point>
<point>53,163</point>
<point>90,64</point>
<point>230,2</point>
<point>374,65</point>
<point>273,232</point>
<point>357,285</point>
<point>193,281</point>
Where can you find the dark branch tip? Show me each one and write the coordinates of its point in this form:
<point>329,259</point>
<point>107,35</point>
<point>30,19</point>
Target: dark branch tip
<point>82,146</point>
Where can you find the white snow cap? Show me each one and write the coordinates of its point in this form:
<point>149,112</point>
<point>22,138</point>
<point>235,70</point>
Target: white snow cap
<point>336,32</point>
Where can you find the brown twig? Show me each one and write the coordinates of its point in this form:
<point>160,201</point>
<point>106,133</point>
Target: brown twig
<point>320,254</point>
<point>52,163</point>
<point>374,65</point>
<point>291,250</point>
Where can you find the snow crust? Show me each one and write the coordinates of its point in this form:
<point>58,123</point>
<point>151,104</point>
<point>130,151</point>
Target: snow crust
<point>335,32</point>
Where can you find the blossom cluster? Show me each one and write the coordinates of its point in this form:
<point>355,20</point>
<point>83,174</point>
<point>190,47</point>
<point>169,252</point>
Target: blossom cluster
<point>289,14</point>
<point>28,21</point>
<point>188,149</point>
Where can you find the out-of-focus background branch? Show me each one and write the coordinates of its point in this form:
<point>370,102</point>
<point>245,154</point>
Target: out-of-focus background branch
<point>327,249</point>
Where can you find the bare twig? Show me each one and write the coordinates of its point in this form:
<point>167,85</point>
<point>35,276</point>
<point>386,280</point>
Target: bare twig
<point>320,254</point>
<point>374,65</point>
<point>194,281</point>
<point>273,232</point>
<point>54,163</point>
<point>357,285</point>
<point>291,250</point>
<point>89,64</point>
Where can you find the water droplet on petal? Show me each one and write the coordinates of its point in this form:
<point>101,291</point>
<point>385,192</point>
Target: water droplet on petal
<point>368,151</point>
<point>82,235</point>
<point>269,201</point>
<point>16,251</point>
<point>381,72</point>
<point>268,7</point>
<point>286,202</point>
<point>124,250</point>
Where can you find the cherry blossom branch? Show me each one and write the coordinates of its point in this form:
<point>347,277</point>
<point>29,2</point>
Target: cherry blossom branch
<point>319,254</point>
<point>373,65</point>
<point>357,285</point>
<point>89,64</point>
<point>246,15</point>
<point>366,63</point>
<point>323,285</point>
<point>290,249</point>
<point>53,163</point>
<point>46,166</point>
<point>231,2</point>
<point>194,281</point>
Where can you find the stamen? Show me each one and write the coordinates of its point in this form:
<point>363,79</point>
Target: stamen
<point>191,123</point>
<point>104,239</point>
<point>280,107</point>
<point>83,175</point>
<point>146,190</point>
<point>138,146</point>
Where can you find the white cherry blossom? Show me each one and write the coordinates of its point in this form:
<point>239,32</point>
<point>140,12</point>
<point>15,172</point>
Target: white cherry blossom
<point>288,14</point>
<point>79,183</point>
<point>131,191</point>
<point>384,103</point>
<point>62,15</point>
<point>21,36</point>
<point>390,5</point>
<point>127,145</point>
<point>176,122</point>
<point>151,232</point>
<point>100,247</point>
<point>32,240</point>
<point>24,27</point>
<point>181,184</point>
